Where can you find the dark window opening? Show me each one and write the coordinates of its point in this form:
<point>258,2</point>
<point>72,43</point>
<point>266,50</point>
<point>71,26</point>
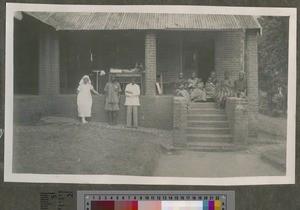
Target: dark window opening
<point>81,53</point>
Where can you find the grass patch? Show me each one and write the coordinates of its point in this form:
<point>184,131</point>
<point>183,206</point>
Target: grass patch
<point>276,157</point>
<point>94,148</point>
<point>272,126</point>
<point>272,134</point>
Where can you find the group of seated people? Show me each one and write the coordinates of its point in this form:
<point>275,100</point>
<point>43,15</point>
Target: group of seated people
<point>195,90</point>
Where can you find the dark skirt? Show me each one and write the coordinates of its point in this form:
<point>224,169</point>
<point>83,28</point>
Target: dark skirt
<point>111,106</point>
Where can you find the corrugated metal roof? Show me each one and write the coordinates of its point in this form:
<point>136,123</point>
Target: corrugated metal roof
<point>144,21</point>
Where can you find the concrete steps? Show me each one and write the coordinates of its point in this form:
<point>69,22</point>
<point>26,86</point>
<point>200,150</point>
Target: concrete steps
<point>207,117</point>
<point>207,124</point>
<point>208,127</point>
<point>213,147</point>
<point>204,105</point>
<point>205,111</point>
<point>209,138</point>
<point>196,130</point>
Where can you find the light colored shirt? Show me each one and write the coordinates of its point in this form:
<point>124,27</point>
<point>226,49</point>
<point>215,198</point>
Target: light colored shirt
<point>132,93</point>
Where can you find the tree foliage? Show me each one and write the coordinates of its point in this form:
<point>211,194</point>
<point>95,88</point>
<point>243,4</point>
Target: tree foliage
<point>273,58</point>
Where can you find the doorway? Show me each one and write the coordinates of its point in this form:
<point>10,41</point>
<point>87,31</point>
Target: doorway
<point>199,57</point>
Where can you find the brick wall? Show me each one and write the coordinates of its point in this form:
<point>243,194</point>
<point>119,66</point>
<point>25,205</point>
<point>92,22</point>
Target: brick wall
<point>237,51</point>
<point>169,59</point>
<point>170,50</point>
<point>229,53</point>
<point>150,63</point>
<point>229,50</point>
<point>30,108</point>
<point>180,122</point>
<point>48,62</point>
<point>251,69</point>
<point>155,111</point>
<point>237,113</point>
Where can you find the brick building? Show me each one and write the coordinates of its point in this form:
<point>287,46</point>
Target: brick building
<point>54,50</point>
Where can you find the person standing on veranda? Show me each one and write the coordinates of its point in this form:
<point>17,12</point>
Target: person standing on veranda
<point>132,92</point>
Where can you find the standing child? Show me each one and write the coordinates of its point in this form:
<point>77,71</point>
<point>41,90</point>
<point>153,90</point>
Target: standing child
<point>84,98</point>
<point>112,92</point>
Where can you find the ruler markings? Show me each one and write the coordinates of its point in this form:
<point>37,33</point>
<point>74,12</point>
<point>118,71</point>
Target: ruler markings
<point>66,200</point>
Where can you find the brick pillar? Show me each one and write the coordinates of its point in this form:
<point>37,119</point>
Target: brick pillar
<point>48,63</point>
<point>150,63</point>
<point>237,113</point>
<point>251,69</point>
<point>180,122</point>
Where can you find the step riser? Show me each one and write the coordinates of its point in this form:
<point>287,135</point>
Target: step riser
<point>207,115</point>
<point>208,125</point>
<point>202,131</point>
<point>204,105</point>
<point>207,118</point>
<point>204,112</point>
<point>213,148</point>
<point>209,139</point>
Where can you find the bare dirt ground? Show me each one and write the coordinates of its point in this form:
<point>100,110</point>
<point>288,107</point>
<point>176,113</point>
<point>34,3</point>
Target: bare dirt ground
<point>214,164</point>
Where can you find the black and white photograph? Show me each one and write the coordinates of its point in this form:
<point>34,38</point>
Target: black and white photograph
<point>187,95</point>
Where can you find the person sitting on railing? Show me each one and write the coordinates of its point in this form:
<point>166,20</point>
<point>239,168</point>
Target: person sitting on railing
<point>182,92</point>
<point>181,89</point>
<point>196,89</point>
<point>224,90</point>
<point>180,82</point>
<point>210,89</point>
<point>240,86</point>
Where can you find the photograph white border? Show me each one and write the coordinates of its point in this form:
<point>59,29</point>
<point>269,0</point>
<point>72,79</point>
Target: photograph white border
<point>9,176</point>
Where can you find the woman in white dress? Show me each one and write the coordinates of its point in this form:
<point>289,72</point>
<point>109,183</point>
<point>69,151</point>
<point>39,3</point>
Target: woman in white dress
<point>84,98</point>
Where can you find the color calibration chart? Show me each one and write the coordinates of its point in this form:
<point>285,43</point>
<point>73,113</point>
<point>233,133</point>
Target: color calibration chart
<point>150,200</point>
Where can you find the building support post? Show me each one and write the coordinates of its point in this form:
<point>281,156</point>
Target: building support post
<point>251,70</point>
<point>48,62</point>
<point>150,63</point>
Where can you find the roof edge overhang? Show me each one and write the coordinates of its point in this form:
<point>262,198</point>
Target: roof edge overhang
<point>61,22</point>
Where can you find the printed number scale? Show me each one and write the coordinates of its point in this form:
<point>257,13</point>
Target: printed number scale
<point>133,200</point>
